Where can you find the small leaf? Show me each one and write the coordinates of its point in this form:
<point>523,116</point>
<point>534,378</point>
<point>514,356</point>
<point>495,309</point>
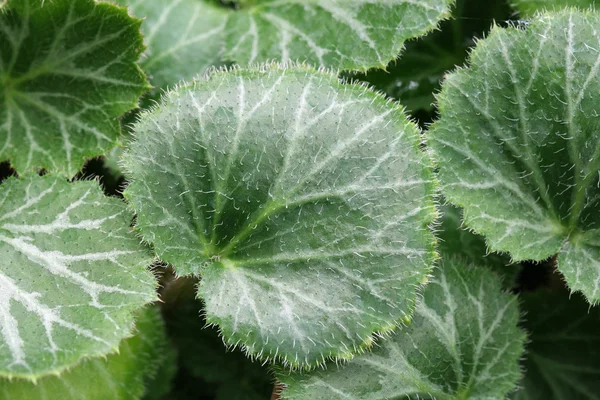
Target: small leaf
<point>458,242</point>
<point>563,356</point>
<point>67,72</point>
<point>277,185</point>
<point>184,37</point>
<point>517,143</point>
<point>463,343</point>
<point>528,8</point>
<point>71,274</point>
<point>118,377</point>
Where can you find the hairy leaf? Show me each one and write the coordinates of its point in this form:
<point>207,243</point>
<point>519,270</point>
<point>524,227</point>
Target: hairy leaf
<point>67,72</point>
<point>563,356</point>
<point>348,34</point>
<point>457,242</point>
<point>415,77</point>
<point>184,37</point>
<point>518,147</point>
<point>529,7</point>
<point>463,343</point>
<point>71,274</point>
<point>118,377</point>
<point>277,185</point>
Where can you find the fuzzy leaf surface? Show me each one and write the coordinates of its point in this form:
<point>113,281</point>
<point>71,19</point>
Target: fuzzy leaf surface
<point>463,343</point>
<point>118,377</point>
<point>71,274</point>
<point>563,354</point>
<point>183,37</point>
<point>276,185</point>
<point>518,144</point>
<point>528,8</point>
<point>67,72</point>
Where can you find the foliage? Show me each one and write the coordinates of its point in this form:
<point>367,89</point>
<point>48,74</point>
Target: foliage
<point>248,167</point>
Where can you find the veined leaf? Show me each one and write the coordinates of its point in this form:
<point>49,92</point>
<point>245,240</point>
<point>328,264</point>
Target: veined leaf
<point>457,242</point>
<point>463,343</point>
<point>277,185</point>
<point>184,38</point>
<point>528,7</point>
<point>118,377</point>
<point>563,354</point>
<point>518,143</point>
<point>67,72</point>
<point>71,274</point>
<point>344,34</point>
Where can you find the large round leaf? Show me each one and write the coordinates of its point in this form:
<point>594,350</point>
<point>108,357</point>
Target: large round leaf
<point>518,144</point>
<point>67,72</point>
<point>528,7</point>
<point>277,186</point>
<point>71,274</point>
<point>463,343</point>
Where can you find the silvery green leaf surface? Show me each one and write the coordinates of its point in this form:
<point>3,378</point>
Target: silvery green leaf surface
<point>517,143</point>
<point>355,34</point>
<point>117,377</point>
<point>455,241</point>
<point>563,353</point>
<point>67,72</point>
<point>71,274</point>
<point>184,38</point>
<point>463,343</point>
<point>276,185</point>
<point>527,8</point>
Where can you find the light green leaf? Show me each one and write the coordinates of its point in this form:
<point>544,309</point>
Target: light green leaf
<point>277,185</point>
<point>517,143</point>
<point>528,8</point>
<point>183,37</point>
<point>71,274</point>
<point>457,242</point>
<point>563,356</point>
<point>118,377</point>
<point>463,343</point>
<point>67,72</point>
<point>344,34</point>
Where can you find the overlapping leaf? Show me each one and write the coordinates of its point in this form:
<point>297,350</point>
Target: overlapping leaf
<point>518,144</point>
<point>184,37</point>
<point>67,72</point>
<point>463,343</point>
<point>277,185</point>
<point>355,34</point>
<point>528,7</point>
<point>71,274</point>
<point>118,377</point>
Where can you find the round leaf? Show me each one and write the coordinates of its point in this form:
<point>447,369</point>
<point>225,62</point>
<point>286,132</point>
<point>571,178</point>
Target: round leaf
<point>463,343</point>
<point>518,147</point>
<point>71,274</point>
<point>67,72</point>
<point>528,8</point>
<point>277,185</point>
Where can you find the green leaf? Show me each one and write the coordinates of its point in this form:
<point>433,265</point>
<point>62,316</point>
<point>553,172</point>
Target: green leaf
<point>527,8</point>
<point>463,343</point>
<point>67,72</point>
<point>70,277</point>
<point>277,185</point>
<point>415,77</point>
<point>563,356</point>
<point>517,143</point>
<point>458,242</point>
<point>355,34</point>
<point>118,377</point>
<point>183,37</point>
